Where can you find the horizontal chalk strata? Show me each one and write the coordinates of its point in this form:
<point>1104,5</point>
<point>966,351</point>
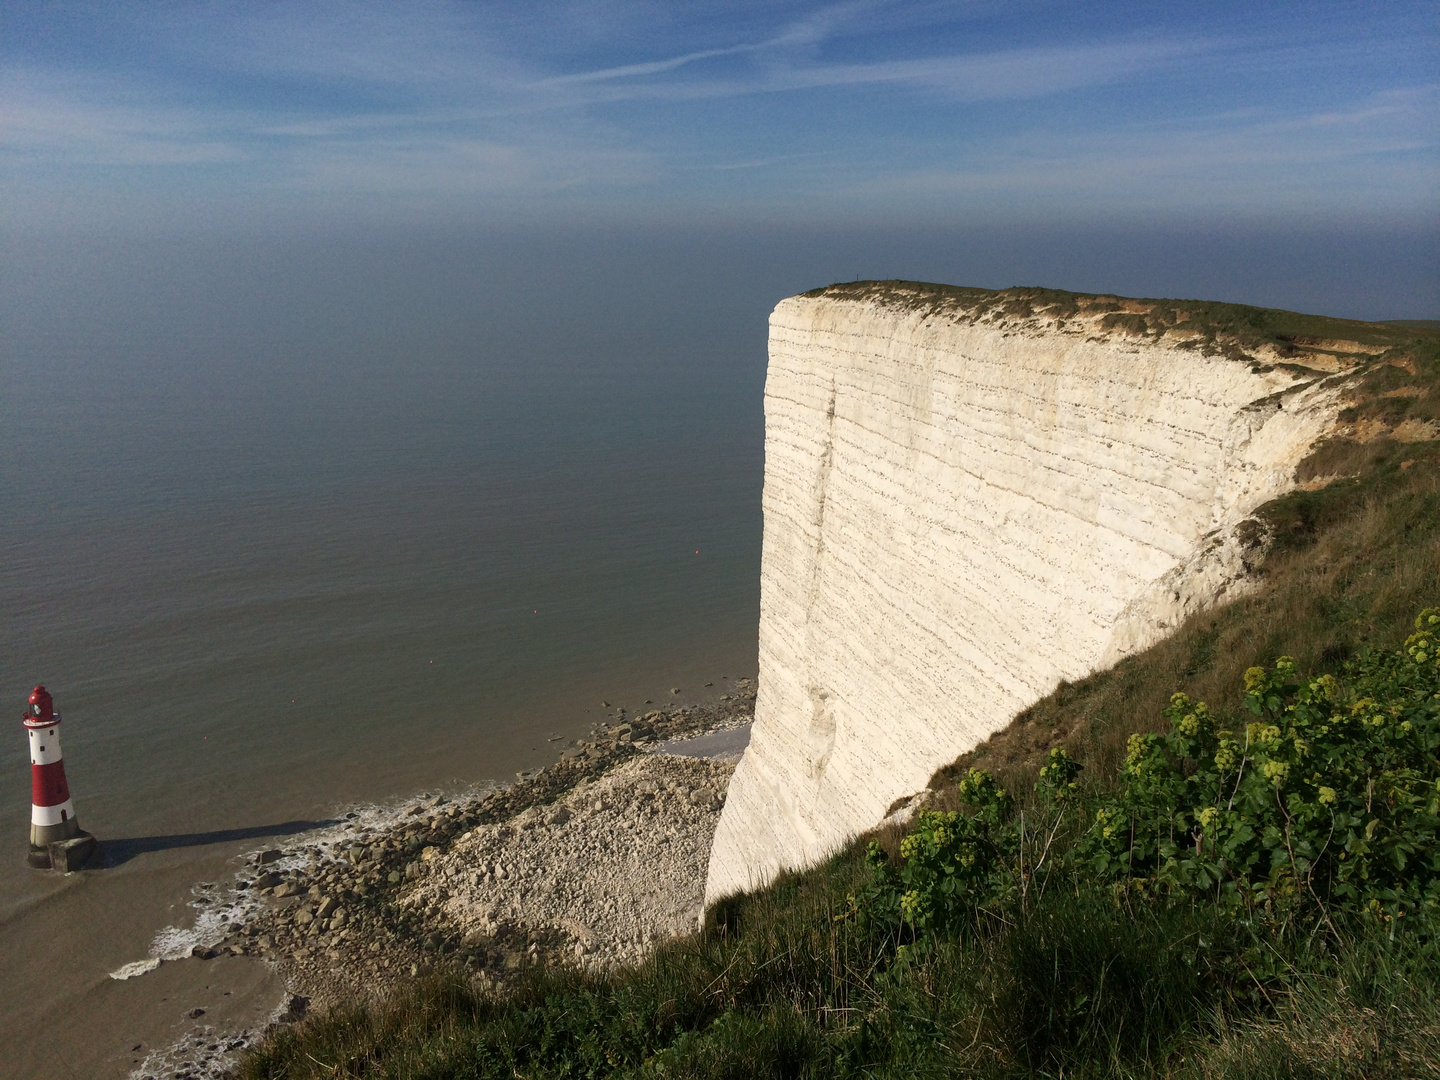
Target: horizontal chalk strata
<point>960,512</point>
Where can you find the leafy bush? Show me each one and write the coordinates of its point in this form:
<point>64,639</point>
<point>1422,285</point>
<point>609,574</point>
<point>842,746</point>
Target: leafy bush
<point>1326,803</point>
<point>958,864</point>
<point>1329,799</point>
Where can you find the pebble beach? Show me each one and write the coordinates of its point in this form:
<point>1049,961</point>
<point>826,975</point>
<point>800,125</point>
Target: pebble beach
<point>589,862</point>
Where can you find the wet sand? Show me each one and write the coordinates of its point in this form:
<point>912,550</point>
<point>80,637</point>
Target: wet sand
<point>65,1016</point>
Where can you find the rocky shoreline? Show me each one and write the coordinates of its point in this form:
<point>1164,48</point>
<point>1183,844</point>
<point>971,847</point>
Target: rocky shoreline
<point>588,862</point>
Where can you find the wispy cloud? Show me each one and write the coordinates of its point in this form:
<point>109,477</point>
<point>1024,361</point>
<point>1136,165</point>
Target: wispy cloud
<point>78,122</point>
<point>630,71</point>
<point>1378,155</point>
<point>811,30</point>
<point>851,99</point>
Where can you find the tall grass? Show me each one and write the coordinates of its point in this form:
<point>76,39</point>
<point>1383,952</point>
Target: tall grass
<point>1078,988</point>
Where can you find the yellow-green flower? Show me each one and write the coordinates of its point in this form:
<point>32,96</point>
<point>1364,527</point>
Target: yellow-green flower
<point>1267,735</point>
<point>1136,747</point>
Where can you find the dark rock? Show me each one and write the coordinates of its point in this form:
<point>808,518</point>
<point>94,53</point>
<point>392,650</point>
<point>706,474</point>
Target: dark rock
<point>67,856</point>
<point>295,1009</point>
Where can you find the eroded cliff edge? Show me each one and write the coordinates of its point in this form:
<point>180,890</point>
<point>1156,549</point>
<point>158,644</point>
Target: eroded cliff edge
<point>970,496</point>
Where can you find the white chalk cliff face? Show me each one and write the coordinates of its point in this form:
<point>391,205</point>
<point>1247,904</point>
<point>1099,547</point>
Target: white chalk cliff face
<point>962,510</point>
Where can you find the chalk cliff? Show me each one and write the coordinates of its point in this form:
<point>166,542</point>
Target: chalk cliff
<point>970,496</point>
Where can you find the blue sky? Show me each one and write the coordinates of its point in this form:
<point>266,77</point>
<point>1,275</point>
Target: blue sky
<point>898,112</point>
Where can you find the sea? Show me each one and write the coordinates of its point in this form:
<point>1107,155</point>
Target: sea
<point>286,549</point>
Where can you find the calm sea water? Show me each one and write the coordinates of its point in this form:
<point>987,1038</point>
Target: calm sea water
<point>261,586</point>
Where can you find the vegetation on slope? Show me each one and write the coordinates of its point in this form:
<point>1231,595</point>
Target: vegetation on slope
<point>1262,335</point>
<point>1238,943</point>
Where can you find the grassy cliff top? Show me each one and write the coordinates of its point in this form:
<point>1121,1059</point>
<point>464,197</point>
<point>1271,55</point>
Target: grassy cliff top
<point>1269,335</point>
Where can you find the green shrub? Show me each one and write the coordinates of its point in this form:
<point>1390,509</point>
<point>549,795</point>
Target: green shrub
<point>1328,800</point>
<point>957,864</point>
<point>1325,803</point>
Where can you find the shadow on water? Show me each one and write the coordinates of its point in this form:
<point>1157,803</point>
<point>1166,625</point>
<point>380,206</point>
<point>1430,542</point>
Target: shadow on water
<point>116,852</point>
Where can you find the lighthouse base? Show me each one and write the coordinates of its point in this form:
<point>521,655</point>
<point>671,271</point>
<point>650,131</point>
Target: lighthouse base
<point>66,856</point>
<point>44,833</point>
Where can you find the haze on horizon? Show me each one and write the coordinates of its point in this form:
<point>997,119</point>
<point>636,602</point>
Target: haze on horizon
<point>313,156</point>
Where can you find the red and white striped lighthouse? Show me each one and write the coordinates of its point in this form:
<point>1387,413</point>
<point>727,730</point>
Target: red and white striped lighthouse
<point>52,813</point>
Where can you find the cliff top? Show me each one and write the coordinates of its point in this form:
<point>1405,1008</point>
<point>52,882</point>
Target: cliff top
<point>1260,335</point>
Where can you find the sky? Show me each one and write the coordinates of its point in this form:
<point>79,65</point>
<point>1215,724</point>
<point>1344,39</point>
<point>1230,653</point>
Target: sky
<point>900,111</point>
<point>1183,129</point>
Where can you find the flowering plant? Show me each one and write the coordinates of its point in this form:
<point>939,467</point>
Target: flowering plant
<point>1328,798</point>
<point>957,862</point>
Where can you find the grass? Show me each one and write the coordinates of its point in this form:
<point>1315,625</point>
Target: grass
<point>1237,330</point>
<point>785,982</point>
<point>1078,988</point>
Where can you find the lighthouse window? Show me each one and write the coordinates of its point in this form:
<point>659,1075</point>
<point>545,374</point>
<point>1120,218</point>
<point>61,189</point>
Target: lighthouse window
<point>42,748</point>
<point>62,815</point>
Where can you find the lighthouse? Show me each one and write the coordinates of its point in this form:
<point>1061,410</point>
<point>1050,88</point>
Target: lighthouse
<point>55,836</point>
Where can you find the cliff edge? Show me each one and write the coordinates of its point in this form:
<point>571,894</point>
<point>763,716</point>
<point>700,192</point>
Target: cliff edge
<point>973,495</point>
